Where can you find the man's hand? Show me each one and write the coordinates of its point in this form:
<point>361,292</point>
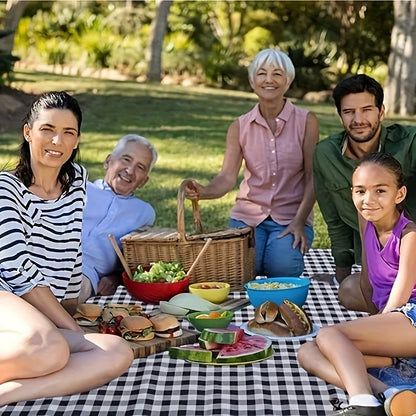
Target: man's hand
<point>108,285</point>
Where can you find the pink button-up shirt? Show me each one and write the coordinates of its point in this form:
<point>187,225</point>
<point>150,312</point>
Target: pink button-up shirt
<point>274,181</point>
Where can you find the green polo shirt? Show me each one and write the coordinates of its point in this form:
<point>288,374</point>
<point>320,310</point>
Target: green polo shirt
<point>332,180</point>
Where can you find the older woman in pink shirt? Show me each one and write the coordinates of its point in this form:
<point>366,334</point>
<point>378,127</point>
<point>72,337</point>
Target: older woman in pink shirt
<point>276,139</point>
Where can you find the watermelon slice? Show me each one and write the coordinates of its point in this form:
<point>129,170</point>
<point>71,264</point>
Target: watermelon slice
<point>209,345</point>
<point>192,353</point>
<point>228,335</point>
<point>247,349</point>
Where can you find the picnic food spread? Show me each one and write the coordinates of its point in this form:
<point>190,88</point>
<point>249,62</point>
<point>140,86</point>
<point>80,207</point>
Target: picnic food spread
<point>285,320</point>
<point>127,321</point>
<point>225,347</point>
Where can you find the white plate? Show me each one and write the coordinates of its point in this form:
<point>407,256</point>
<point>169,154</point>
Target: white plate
<point>315,329</point>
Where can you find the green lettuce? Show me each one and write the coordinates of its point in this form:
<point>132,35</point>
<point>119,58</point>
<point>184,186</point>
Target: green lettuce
<point>160,272</point>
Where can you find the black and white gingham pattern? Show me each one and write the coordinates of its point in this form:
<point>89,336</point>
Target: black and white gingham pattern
<point>157,385</point>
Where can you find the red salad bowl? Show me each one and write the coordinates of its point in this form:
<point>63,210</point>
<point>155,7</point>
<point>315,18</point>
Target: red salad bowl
<point>154,292</point>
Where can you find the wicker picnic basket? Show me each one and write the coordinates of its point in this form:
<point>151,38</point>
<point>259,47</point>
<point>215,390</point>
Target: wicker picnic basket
<point>230,257</point>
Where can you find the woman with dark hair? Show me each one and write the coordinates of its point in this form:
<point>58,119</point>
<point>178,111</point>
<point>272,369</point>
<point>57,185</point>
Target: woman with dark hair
<point>43,352</point>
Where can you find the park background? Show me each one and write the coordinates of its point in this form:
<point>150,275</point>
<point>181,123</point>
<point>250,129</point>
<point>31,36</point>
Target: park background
<point>176,73</point>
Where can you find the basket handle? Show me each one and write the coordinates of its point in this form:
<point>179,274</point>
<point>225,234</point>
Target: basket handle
<point>181,211</point>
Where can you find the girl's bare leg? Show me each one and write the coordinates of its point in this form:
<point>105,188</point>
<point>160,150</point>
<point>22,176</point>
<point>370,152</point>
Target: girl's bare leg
<point>339,350</point>
<point>311,359</point>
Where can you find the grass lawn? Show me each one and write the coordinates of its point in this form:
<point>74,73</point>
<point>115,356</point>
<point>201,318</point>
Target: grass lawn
<point>186,125</point>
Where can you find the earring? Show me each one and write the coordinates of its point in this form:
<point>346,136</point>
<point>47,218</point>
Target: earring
<point>26,136</point>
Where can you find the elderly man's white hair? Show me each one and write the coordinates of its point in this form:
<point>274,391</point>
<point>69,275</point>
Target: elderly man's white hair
<point>273,57</point>
<point>139,139</point>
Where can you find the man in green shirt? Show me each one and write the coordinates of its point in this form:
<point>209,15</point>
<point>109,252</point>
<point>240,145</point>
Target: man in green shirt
<point>359,102</point>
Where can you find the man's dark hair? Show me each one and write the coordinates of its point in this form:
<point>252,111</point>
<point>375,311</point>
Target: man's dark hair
<point>357,84</point>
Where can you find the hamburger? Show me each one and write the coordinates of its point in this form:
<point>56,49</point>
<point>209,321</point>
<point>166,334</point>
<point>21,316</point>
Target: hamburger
<point>166,326</point>
<point>88,314</point>
<point>136,328</point>
<point>110,313</point>
<point>112,310</point>
<point>131,309</point>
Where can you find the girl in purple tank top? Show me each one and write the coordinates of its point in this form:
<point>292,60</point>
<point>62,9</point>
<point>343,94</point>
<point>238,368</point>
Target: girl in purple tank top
<point>342,353</point>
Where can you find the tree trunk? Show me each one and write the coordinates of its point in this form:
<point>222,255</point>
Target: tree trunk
<point>157,35</point>
<point>14,11</point>
<point>401,81</point>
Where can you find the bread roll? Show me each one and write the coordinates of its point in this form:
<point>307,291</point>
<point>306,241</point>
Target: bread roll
<point>269,329</point>
<point>266,312</point>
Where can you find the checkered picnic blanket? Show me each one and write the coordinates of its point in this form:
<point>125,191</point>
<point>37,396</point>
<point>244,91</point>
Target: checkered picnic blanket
<point>158,385</point>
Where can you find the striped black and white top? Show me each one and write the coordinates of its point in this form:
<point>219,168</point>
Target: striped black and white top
<point>40,240</point>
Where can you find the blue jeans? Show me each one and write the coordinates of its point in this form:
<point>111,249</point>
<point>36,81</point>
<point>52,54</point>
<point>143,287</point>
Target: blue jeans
<point>403,370</point>
<point>275,256</point>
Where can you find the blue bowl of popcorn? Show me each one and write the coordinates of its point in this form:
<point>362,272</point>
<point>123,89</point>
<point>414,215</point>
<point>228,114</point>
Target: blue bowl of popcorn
<point>277,289</point>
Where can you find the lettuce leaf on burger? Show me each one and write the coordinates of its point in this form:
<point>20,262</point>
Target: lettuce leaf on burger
<point>136,328</point>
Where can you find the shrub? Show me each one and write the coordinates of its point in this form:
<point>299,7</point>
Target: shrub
<point>6,62</point>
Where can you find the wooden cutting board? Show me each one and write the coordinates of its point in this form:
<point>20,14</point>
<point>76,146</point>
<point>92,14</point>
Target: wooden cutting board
<point>157,344</point>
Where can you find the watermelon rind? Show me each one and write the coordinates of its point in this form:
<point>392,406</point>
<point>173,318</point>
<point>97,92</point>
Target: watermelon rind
<point>209,345</point>
<point>192,353</point>
<point>222,336</point>
<point>247,358</point>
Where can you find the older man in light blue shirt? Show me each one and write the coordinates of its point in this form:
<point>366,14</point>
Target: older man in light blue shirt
<point>112,208</point>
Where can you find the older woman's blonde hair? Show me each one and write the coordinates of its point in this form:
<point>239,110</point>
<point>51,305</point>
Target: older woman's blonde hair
<point>272,57</point>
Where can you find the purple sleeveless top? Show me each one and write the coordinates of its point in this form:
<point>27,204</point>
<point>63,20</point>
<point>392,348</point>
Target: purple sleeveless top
<point>383,262</point>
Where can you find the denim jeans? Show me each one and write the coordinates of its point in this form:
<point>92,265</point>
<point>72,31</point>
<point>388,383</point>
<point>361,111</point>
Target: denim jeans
<point>402,372</point>
<point>275,256</point>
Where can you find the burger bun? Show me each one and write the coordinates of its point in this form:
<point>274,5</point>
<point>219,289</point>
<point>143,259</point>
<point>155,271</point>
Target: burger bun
<point>166,326</point>
<point>88,314</point>
<point>136,328</point>
<point>266,312</point>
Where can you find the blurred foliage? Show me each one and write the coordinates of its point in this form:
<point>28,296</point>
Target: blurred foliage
<point>213,40</point>
<point>6,62</point>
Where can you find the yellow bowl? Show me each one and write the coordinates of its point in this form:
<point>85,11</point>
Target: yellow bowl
<point>215,292</point>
